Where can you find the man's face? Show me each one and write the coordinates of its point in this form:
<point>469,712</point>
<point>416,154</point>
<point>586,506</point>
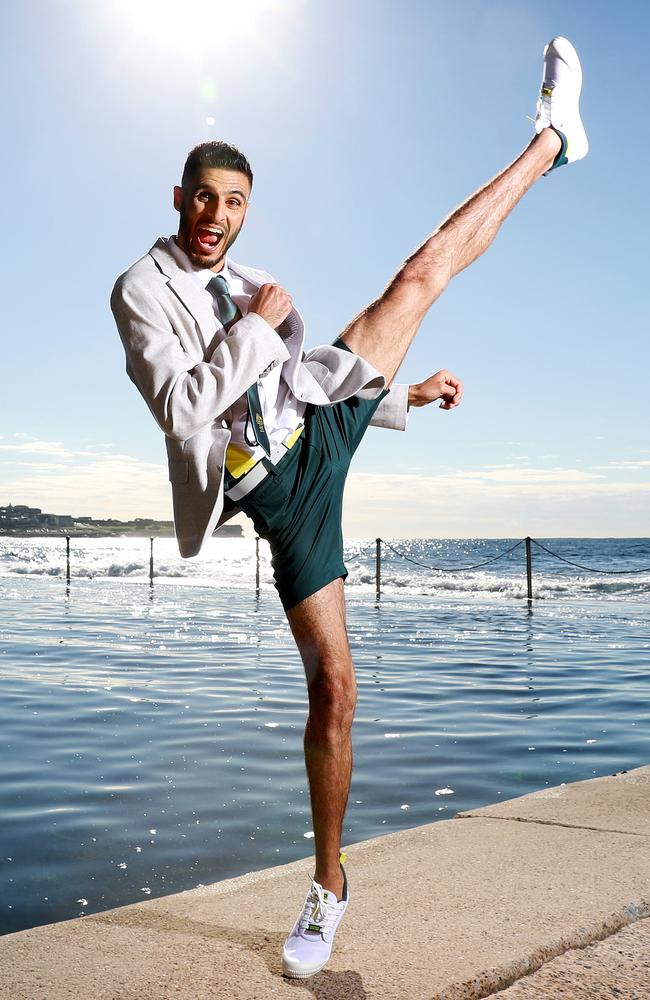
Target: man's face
<point>212,213</point>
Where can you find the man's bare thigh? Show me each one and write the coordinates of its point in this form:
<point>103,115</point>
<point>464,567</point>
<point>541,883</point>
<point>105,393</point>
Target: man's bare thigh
<point>319,628</point>
<point>383,332</point>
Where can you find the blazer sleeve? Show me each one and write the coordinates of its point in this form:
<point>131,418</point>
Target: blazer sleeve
<point>393,410</point>
<point>184,397</point>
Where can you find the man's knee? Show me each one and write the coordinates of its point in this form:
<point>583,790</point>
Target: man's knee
<point>408,296</point>
<point>422,278</point>
<point>332,695</point>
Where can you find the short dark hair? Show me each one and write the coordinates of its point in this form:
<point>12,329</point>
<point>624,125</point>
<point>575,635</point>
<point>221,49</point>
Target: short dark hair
<point>214,154</point>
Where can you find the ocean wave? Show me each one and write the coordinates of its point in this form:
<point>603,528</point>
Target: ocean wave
<point>230,563</point>
<point>27,569</point>
<point>545,586</point>
<point>129,569</point>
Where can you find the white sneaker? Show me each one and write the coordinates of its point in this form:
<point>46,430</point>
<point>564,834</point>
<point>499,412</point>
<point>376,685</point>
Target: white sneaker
<point>309,945</point>
<point>558,103</point>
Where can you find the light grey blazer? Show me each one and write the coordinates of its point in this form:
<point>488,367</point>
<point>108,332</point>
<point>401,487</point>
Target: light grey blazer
<point>190,377</point>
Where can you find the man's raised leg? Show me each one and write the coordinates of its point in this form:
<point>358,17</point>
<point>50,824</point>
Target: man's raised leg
<point>382,333</point>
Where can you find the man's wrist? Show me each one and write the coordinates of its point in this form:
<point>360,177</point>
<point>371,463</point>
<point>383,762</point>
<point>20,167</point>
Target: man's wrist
<point>413,397</point>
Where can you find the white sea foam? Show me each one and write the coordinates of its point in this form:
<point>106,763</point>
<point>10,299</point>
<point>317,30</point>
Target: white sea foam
<point>228,563</point>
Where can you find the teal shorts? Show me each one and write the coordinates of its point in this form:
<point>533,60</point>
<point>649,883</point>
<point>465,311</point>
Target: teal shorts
<point>297,507</point>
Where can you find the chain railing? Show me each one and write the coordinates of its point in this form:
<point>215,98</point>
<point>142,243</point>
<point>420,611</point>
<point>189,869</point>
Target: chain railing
<point>528,542</point>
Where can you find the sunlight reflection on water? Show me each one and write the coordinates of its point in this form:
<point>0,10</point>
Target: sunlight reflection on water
<point>154,741</point>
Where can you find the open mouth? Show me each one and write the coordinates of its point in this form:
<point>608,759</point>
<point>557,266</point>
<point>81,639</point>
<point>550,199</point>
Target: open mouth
<point>209,238</point>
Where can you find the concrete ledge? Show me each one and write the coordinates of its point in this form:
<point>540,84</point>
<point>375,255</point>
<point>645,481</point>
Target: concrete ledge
<point>619,803</point>
<point>617,967</point>
<point>454,910</point>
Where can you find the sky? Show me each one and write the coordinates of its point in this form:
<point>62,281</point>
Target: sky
<point>366,122</point>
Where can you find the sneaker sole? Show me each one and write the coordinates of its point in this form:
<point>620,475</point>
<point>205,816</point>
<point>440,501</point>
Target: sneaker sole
<point>293,974</point>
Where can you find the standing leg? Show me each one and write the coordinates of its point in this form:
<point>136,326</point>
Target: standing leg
<point>318,626</point>
<point>384,330</point>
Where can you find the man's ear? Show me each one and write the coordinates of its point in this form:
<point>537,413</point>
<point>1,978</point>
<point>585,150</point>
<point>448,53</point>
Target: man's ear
<point>178,197</point>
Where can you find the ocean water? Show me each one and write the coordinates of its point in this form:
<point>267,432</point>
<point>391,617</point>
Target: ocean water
<point>414,567</point>
<point>151,737</point>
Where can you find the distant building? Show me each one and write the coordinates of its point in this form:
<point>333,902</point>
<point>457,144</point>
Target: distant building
<point>59,520</point>
<point>20,516</point>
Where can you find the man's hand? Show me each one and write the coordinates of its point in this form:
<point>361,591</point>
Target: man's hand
<point>272,303</point>
<point>443,385</point>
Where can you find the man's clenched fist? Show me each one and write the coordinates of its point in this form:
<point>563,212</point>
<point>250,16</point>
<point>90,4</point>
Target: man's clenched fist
<point>443,385</point>
<point>272,303</point>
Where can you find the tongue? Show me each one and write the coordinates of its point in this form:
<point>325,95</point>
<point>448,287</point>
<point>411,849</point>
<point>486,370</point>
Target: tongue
<point>208,238</point>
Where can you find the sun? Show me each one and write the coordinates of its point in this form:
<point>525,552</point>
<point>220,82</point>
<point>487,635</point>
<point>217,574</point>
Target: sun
<point>199,28</point>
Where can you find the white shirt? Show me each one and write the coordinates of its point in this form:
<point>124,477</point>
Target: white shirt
<point>281,410</point>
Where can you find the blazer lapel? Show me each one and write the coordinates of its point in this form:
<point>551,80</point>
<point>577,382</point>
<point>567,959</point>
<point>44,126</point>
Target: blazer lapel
<point>186,289</point>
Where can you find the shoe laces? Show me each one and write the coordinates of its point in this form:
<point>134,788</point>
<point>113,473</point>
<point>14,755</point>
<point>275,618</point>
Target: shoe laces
<point>317,912</point>
<point>543,114</point>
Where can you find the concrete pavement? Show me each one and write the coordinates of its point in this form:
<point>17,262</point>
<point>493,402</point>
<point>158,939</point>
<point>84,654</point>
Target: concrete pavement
<point>454,910</point>
<point>619,967</point>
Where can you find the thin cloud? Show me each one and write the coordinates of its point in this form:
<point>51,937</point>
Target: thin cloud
<point>83,481</point>
<point>55,448</point>
<point>497,503</point>
<point>627,465</point>
<point>519,476</point>
<point>493,501</point>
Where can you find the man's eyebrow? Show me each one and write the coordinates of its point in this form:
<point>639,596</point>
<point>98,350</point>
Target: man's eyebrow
<point>212,190</point>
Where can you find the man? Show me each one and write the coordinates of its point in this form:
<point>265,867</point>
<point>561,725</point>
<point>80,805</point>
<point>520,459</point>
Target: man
<point>253,424</point>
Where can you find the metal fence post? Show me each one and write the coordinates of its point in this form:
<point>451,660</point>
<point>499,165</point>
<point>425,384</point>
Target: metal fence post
<point>151,562</point>
<point>67,558</point>
<point>257,566</point>
<point>529,568</point>
<point>378,568</point>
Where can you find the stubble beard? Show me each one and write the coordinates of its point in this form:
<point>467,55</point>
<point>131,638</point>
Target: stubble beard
<point>199,260</point>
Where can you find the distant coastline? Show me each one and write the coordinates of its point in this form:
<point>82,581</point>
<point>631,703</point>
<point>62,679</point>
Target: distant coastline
<point>21,521</point>
<point>158,529</point>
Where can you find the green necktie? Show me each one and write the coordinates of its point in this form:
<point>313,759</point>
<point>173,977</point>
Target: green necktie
<point>229,313</point>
